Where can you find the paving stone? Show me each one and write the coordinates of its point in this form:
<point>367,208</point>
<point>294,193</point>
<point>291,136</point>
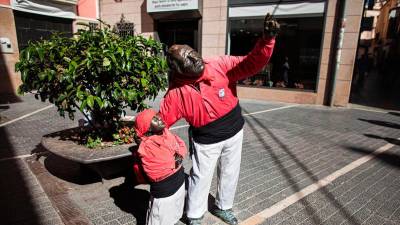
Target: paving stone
<point>283,152</point>
<point>396,215</point>
<point>126,219</point>
<point>97,221</point>
<point>374,219</point>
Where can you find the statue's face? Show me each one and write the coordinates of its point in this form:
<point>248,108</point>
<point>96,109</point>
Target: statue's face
<point>186,61</point>
<point>157,125</point>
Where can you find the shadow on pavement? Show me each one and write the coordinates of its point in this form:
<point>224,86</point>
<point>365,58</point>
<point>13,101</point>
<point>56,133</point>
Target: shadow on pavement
<point>2,107</point>
<point>390,140</point>
<point>307,205</point>
<point>382,123</point>
<point>389,158</point>
<point>9,98</point>
<point>65,169</point>
<point>17,204</point>
<point>131,200</point>
<point>394,113</point>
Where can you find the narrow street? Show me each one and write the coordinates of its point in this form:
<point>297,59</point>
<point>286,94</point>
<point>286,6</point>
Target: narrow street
<point>300,165</point>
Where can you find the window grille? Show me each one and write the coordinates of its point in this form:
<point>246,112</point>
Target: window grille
<point>124,28</point>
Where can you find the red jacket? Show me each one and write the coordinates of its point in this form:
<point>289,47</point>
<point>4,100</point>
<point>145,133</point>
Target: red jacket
<point>217,94</point>
<point>156,156</point>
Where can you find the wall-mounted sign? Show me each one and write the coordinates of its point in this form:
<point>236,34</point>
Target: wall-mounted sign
<point>171,5</point>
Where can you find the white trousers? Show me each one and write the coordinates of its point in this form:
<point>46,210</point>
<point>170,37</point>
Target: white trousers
<point>166,211</point>
<point>204,159</point>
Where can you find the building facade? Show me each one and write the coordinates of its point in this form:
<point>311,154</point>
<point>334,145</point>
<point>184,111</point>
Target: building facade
<point>217,27</point>
<point>302,67</point>
<point>379,29</point>
<point>24,20</point>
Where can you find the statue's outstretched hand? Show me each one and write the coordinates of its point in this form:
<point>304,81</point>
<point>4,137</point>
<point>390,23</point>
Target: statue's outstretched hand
<point>271,27</point>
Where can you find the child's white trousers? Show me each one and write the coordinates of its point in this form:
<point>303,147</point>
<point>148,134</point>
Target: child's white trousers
<point>204,159</point>
<point>166,211</point>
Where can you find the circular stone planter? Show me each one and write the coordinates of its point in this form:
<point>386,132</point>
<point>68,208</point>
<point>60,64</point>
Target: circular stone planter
<point>106,161</point>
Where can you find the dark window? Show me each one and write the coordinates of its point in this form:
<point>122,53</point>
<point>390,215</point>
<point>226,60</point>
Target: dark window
<point>33,27</point>
<point>367,23</point>
<point>178,32</point>
<point>370,4</point>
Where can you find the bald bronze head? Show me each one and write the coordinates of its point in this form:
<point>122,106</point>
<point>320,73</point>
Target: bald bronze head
<point>184,61</point>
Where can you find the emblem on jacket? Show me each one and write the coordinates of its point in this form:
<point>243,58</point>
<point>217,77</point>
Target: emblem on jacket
<point>221,93</point>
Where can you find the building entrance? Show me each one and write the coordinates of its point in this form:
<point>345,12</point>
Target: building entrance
<point>179,32</point>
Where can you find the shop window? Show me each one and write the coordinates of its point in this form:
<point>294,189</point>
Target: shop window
<point>295,61</point>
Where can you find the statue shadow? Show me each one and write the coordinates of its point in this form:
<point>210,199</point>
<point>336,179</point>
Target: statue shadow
<point>382,123</point>
<point>388,139</point>
<point>131,200</point>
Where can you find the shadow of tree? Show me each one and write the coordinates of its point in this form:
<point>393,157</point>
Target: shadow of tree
<point>308,207</point>
<point>382,123</point>
<point>390,140</point>
<point>131,200</point>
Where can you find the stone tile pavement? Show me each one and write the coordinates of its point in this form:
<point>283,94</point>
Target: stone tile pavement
<point>284,151</point>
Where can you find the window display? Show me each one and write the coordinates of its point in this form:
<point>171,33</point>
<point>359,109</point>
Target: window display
<point>296,57</point>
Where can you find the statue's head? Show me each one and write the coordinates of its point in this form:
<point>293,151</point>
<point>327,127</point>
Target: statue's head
<point>185,62</point>
<point>147,123</point>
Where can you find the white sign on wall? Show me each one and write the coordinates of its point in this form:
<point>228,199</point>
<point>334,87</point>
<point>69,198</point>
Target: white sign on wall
<point>171,5</point>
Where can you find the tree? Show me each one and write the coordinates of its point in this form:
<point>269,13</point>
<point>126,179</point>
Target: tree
<point>95,71</point>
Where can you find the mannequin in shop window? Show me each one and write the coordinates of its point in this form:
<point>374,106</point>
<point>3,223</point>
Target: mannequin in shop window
<point>266,75</point>
<point>285,71</point>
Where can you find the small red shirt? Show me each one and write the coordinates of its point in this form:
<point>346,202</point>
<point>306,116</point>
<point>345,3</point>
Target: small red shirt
<point>156,155</point>
<point>217,96</point>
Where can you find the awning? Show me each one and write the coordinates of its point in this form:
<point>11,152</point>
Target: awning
<point>305,9</point>
<point>46,8</point>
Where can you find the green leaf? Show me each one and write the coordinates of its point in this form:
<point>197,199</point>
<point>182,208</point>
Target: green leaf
<point>144,82</point>
<point>121,51</point>
<point>80,94</point>
<point>148,65</point>
<point>106,62</point>
<point>99,102</point>
<point>42,75</point>
<point>40,52</point>
<point>90,101</point>
<point>72,65</point>
<point>83,105</point>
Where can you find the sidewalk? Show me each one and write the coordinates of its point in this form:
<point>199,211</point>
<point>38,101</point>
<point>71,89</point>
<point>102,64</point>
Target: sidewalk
<point>300,165</point>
